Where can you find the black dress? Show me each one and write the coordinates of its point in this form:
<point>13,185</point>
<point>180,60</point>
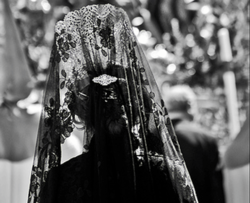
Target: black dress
<point>77,183</point>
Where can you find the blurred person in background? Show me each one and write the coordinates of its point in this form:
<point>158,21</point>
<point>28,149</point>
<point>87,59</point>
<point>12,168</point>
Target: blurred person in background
<point>235,160</point>
<point>199,147</point>
<point>19,112</point>
<point>237,153</point>
<point>17,127</point>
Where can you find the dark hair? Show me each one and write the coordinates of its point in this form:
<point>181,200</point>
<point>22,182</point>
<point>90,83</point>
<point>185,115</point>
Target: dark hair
<point>86,110</point>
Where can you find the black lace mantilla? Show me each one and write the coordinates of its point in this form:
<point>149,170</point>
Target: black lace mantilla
<point>125,121</point>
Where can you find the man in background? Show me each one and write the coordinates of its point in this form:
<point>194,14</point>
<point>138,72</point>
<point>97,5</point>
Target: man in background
<point>199,147</point>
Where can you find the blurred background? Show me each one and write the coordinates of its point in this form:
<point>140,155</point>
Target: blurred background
<point>200,43</point>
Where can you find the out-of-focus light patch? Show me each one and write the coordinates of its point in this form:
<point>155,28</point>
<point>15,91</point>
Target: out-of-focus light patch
<point>191,71</point>
<point>226,2</point>
<point>145,13</point>
<point>171,58</point>
<point>65,9</point>
<point>45,5</point>
<point>189,64</point>
<point>160,46</point>
<point>205,67</point>
<point>171,68</point>
<point>41,77</point>
<point>136,31</point>
<point>137,21</point>
<point>225,45</point>
<point>188,1</point>
<point>153,54</point>
<point>205,33</point>
<point>190,40</point>
<point>34,108</point>
<point>144,36</point>
<point>224,20</point>
<point>193,6</point>
<point>33,0</point>
<point>211,49</point>
<point>175,24</point>
<point>16,112</point>
<point>191,28</point>
<point>161,51</point>
<point>206,9</point>
<point>211,18</point>
<point>201,58</point>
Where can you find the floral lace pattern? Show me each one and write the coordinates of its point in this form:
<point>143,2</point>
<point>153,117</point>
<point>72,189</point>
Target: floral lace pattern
<point>90,42</point>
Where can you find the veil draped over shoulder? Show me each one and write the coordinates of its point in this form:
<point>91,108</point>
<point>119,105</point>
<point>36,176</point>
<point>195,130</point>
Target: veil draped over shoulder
<point>100,81</point>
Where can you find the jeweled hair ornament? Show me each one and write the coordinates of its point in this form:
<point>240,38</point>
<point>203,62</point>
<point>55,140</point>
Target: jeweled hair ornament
<point>104,79</point>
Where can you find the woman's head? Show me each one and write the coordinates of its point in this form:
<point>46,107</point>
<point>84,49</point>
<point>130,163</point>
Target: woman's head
<point>99,73</point>
<point>99,57</point>
<point>100,104</point>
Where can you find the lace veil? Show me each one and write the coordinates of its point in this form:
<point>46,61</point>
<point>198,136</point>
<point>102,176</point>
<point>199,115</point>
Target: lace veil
<point>99,79</point>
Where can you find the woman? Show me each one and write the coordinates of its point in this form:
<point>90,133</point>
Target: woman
<point>100,81</point>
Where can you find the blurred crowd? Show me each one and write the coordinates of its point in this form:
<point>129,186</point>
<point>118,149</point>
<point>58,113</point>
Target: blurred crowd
<point>179,37</point>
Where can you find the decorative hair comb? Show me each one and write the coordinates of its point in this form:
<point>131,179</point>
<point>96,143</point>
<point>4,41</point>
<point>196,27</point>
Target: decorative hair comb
<point>104,79</point>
